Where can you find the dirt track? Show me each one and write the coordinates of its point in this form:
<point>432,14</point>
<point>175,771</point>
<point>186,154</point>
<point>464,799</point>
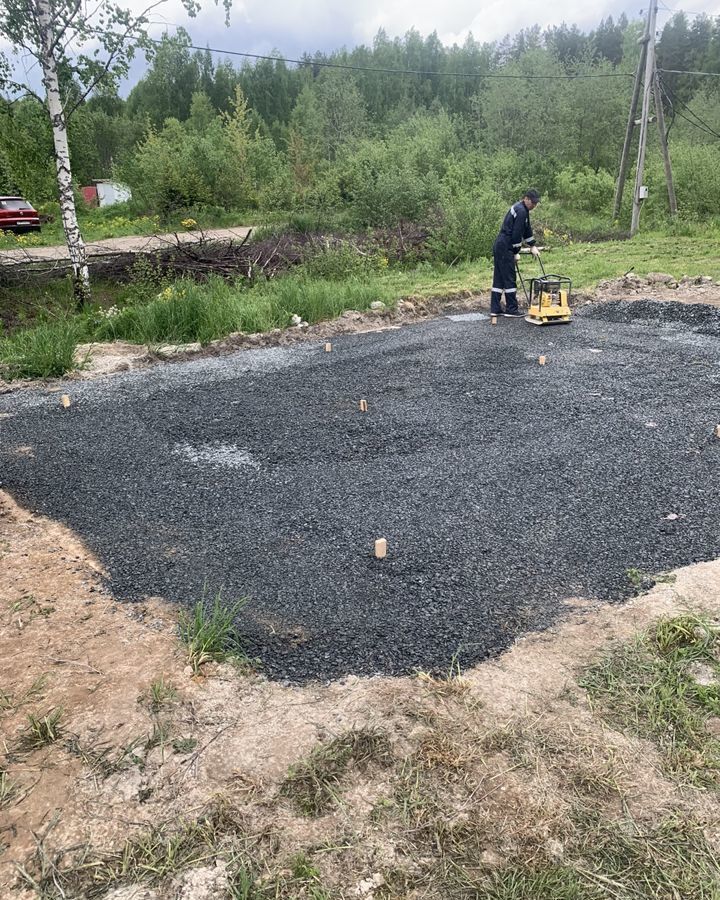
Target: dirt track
<point>135,243</point>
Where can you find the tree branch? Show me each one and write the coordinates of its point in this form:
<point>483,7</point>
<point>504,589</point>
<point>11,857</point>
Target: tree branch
<point>132,27</point>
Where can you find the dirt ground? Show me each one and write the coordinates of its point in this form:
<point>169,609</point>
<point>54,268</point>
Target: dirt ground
<point>501,739</point>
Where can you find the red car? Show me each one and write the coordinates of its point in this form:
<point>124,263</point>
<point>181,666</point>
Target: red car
<point>17,215</point>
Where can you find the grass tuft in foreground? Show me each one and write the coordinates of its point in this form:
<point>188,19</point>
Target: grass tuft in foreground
<point>45,351</point>
<point>42,730</point>
<point>209,633</point>
<point>664,686</point>
<point>312,785</point>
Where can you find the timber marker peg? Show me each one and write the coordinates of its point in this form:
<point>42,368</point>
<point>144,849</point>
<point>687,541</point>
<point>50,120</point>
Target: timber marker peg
<point>493,320</point>
<point>363,406</point>
<point>65,400</point>
<point>380,548</point>
<point>717,431</point>
<point>328,347</point>
<point>542,360</point>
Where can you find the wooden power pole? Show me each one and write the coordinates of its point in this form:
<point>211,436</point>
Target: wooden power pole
<point>646,76</point>
<point>640,191</point>
<point>625,158</point>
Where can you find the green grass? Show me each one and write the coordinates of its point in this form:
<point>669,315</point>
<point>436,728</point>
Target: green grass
<point>614,860</point>
<point>8,789</point>
<point>44,351</point>
<point>147,859</point>
<point>42,730</point>
<point>646,687</point>
<point>186,311</point>
<point>159,694</point>
<point>312,785</point>
<point>209,632</point>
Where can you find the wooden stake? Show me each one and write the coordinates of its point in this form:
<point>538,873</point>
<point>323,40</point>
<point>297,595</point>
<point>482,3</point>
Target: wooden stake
<point>542,360</point>
<point>493,321</point>
<point>328,347</point>
<point>65,400</point>
<point>363,406</point>
<point>380,548</point>
<point>717,431</point>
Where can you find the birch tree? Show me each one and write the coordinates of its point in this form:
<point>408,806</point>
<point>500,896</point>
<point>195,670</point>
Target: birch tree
<point>78,44</point>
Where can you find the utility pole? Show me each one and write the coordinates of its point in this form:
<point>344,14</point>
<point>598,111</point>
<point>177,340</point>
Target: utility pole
<point>646,76</point>
<point>625,158</point>
<point>640,191</point>
<point>664,144</point>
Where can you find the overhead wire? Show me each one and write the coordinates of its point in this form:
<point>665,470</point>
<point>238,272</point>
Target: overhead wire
<point>696,120</point>
<point>314,62</point>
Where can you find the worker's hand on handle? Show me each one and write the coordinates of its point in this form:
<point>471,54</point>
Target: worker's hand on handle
<point>534,250</point>
<point>517,257</point>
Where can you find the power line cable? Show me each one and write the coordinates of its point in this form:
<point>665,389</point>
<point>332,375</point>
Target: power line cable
<point>427,74</point>
<point>688,72</point>
<point>686,12</point>
<point>696,120</point>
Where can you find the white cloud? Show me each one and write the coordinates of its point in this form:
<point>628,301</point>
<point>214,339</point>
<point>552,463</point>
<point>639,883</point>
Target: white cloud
<point>326,24</point>
<point>259,26</point>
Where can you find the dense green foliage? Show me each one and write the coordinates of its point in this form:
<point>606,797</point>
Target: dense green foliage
<point>371,148</point>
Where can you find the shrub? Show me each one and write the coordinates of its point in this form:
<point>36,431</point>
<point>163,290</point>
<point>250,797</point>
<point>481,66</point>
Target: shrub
<point>585,189</point>
<point>468,226</point>
<point>696,170</point>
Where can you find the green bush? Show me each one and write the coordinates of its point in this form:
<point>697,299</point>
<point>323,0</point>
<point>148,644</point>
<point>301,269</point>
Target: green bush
<point>696,170</point>
<point>342,260</point>
<point>586,189</point>
<point>468,226</point>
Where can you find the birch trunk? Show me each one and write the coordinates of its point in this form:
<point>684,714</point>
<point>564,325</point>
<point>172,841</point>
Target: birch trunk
<point>75,243</point>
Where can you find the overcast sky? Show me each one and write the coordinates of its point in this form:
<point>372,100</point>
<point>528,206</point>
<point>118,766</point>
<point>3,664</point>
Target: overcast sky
<point>260,26</point>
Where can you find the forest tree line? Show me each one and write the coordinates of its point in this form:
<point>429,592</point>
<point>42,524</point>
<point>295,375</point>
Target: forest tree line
<point>200,130</point>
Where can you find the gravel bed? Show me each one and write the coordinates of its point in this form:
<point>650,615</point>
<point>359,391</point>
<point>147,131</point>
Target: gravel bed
<point>503,487</point>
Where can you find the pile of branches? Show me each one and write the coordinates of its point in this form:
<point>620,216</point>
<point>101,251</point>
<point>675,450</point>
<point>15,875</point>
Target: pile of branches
<point>202,256</point>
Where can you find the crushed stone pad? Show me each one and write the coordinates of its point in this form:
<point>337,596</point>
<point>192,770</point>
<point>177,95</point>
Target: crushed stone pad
<point>467,317</point>
<point>503,487</point>
<point>696,317</point>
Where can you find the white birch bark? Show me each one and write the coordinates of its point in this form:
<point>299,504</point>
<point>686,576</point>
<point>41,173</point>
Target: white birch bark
<point>75,243</point>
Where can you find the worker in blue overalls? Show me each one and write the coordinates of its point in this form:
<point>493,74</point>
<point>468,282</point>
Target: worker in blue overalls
<point>515,229</point>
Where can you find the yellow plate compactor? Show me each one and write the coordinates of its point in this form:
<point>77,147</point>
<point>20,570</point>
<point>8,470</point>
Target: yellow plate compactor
<point>549,299</point>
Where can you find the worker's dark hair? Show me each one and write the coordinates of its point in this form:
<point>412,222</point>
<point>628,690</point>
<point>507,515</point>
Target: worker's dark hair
<point>532,194</point>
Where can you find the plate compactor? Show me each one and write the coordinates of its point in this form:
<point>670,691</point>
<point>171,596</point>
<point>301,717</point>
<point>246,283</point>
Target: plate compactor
<point>549,298</point>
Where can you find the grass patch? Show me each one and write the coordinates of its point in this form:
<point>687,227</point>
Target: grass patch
<point>647,688</point>
<point>42,730</point>
<point>8,789</point>
<point>10,703</point>
<point>312,785</point>
<point>186,311</point>
<point>157,857</point>
<point>184,745</point>
<point>44,351</point>
<point>148,859</point>
<point>209,633</point>
<point>618,860</point>
<point>160,693</point>
<point>104,759</point>
<point>150,311</point>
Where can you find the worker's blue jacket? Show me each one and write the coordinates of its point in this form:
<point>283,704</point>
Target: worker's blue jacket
<point>516,228</point>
